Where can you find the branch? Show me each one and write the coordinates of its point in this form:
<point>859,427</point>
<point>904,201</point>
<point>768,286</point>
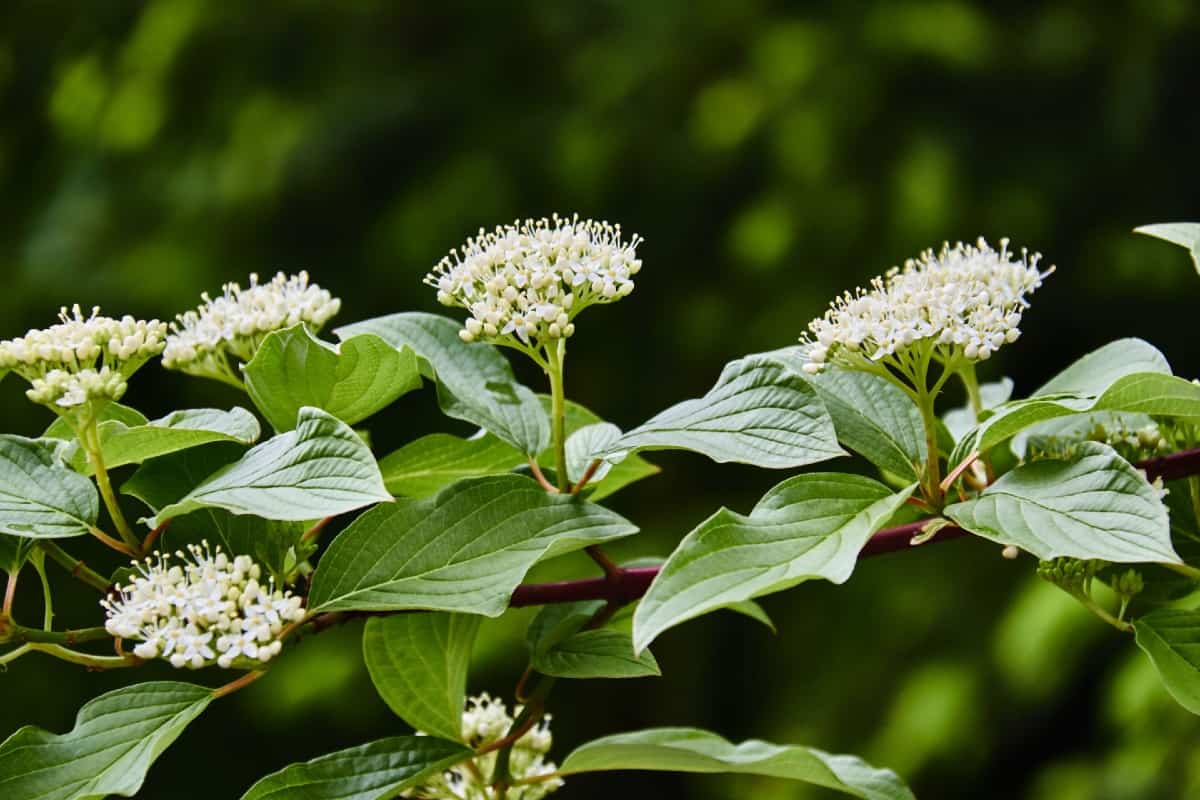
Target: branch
<point>631,584</point>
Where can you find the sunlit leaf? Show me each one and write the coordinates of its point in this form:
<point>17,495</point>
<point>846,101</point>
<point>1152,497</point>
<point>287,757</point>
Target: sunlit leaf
<point>693,750</point>
<point>293,369</point>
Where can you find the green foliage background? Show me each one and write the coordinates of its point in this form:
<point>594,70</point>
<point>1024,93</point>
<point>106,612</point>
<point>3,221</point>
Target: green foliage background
<point>772,155</point>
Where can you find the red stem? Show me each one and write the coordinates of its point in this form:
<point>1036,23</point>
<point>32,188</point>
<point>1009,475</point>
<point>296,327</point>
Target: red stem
<point>627,585</point>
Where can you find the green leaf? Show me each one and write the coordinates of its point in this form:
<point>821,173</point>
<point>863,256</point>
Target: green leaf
<point>1184,234</point>
<point>1096,371</point>
<point>429,464</point>
<point>320,469</point>
<point>583,443</point>
<point>161,481</point>
<point>809,526</point>
<point>115,740</point>
<point>759,412</point>
<point>465,549</point>
<point>1171,637</point>
<point>1092,505</point>
<point>419,664</point>
<point>692,750</point>
<point>123,444</point>
<point>40,498</point>
<point>293,369</point>
<point>1152,393</point>
<point>130,417</point>
<point>375,771</point>
<point>751,609</point>
<point>874,418</point>
<point>475,382</point>
<point>601,653</point>
<point>14,550</point>
<point>959,421</point>
<point>610,477</point>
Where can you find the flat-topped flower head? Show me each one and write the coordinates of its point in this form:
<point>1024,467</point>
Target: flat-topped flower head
<point>525,283</point>
<point>82,358</point>
<point>203,609</point>
<point>486,721</point>
<point>226,331</point>
<point>963,303</point>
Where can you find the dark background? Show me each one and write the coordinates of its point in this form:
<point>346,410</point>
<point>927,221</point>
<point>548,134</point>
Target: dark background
<point>772,155</point>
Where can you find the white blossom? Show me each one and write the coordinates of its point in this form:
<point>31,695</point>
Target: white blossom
<point>82,359</point>
<point>965,302</point>
<point>525,282</point>
<point>206,609</point>
<point>232,325</point>
<point>485,721</point>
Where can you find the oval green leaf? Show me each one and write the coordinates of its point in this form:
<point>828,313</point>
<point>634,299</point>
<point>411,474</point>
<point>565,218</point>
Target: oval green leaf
<point>809,526</point>
<point>293,369</point>
<point>1092,505</point>
<point>465,549</point>
<point>419,664</point>
<point>40,497</point>
<point>693,750</point>
<point>115,740</point>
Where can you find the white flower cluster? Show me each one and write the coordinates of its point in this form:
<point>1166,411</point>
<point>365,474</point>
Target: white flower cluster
<point>530,279</point>
<point>485,721</point>
<point>234,324</point>
<point>967,300</point>
<point>82,358</point>
<point>207,609</point>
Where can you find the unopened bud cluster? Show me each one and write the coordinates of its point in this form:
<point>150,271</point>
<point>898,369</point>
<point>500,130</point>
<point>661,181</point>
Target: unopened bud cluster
<point>485,721</point>
<point>205,609</point>
<point>530,279</point>
<point>233,324</point>
<point>82,358</point>
<point>966,301</point>
<point>1134,444</point>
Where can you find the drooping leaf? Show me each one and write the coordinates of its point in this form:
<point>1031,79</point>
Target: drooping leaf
<point>759,412</point>
<point>600,653</point>
<point>1091,505</point>
<point>375,771</point>
<point>115,740</point>
<point>1155,394</point>
<point>429,464</point>
<point>293,369</point>
<point>1184,234</point>
<point>874,418</point>
<point>693,750</point>
<point>1091,374</point>
<point>1171,638</point>
<point>475,382</point>
<point>419,664</point>
<point>751,609</point>
<point>40,497</point>
<point>123,444</point>
<point>464,549</point>
<point>320,469</point>
<point>809,526</point>
<point>14,550</point>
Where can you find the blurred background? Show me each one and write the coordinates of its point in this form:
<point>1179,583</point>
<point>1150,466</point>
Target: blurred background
<point>772,155</point>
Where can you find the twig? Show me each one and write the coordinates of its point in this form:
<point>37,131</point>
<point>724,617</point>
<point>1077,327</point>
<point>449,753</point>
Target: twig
<point>235,685</point>
<point>153,535</point>
<point>119,546</point>
<point>597,554</point>
<point>536,469</point>
<point>315,530</point>
<point>78,569</point>
<point>587,475</point>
